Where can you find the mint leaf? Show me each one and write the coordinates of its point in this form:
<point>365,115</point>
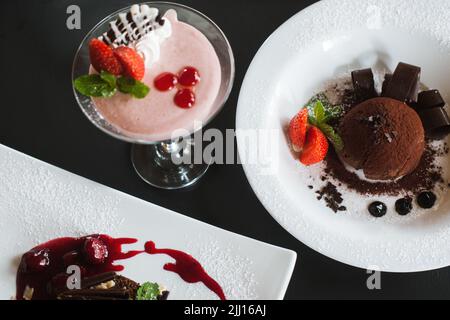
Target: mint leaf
<point>94,86</point>
<point>331,111</point>
<point>109,78</point>
<point>331,134</point>
<point>319,112</point>
<point>134,87</point>
<point>312,120</point>
<point>148,291</point>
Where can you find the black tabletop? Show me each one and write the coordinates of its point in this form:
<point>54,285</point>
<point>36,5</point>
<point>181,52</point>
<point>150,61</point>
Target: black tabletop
<point>41,118</point>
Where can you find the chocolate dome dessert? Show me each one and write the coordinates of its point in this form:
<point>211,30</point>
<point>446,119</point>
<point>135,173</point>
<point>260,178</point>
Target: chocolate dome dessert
<point>384,137</point>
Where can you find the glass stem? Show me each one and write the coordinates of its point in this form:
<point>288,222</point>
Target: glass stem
<point>171,152</point>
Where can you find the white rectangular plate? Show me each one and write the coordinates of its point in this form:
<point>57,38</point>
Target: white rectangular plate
<point>39,202</point>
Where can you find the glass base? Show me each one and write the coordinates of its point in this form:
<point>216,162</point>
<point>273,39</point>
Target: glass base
<point>154,164</point>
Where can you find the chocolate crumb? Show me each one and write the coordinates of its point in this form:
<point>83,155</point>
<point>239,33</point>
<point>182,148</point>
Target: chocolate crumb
<point>333,198</point>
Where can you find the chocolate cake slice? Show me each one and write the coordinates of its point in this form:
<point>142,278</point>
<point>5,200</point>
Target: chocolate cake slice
<point>107,286</point>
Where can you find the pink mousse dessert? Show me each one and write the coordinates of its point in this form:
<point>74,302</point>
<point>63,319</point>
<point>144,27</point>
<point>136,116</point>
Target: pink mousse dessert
<point>172,59</point>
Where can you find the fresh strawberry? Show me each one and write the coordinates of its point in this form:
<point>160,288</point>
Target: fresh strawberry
<point>315,148</point>
<point>103,58</point>
<point>132,63</point>
<point>297,130</point>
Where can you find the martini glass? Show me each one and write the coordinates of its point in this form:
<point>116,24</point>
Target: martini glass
<point>154,160</point>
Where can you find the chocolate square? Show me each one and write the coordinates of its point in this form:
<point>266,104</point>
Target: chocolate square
<point>430,99</point>
<point>435,122</point>
<point>364,84</point>
<point>404,85</point>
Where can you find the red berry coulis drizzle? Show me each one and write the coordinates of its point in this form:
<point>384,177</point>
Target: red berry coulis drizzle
<point>43,268</point>
<point>189,269</point>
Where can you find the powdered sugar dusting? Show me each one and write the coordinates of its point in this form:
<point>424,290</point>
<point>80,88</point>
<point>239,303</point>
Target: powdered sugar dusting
<point>228,267</point>
<point>43,205</point>
<point>333,17</point>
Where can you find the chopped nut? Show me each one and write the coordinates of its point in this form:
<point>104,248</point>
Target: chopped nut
<point>28,293</point>
<point>106,285</point>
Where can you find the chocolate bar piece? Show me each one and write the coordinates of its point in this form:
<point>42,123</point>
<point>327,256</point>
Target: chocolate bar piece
<point>404,85</point>
<point>96,294</point>
<point>106,286</point>
<point>436,122</point>
<point>164,295</point>
<point>97,279</point>
<point>430,99</point>
<point>387,79</point>
<point>364,84</point>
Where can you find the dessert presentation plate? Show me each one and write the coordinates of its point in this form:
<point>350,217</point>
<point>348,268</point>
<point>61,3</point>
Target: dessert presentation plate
<point>326,40</point>
<point>39,202</point>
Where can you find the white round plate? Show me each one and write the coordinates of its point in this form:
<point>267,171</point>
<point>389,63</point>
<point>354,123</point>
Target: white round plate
<point>319,43</point>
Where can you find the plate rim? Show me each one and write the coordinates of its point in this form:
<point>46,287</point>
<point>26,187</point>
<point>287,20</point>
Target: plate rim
<point>242,120</point>
<point>290,255</point>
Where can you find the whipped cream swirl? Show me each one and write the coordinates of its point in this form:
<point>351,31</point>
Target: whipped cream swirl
<point>143,29</point>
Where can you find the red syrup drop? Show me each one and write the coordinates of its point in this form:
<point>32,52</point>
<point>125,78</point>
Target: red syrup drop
<point>43,268</point>
<point>185,98</point>
<point>189,77</point>
<point>165,81</point>
<point>189,269</point>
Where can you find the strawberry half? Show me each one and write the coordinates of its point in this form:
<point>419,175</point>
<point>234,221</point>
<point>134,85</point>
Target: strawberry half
<point>315,148</point>
<point>132,63</point>
<point>103,58</point>
<point>297,130</point>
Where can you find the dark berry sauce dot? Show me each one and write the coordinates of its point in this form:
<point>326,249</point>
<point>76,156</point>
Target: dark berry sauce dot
<point>426,200</point>
<point>403,206</point>
<point>35,260</point>
<point>377,209</point>
<point>95,251</point>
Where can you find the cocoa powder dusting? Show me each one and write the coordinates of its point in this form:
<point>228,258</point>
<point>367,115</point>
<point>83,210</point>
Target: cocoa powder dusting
<point>425,177</point>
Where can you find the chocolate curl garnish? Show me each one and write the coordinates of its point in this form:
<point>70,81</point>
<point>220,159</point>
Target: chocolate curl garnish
<point>364,84</point>
<point>436,122</point>
<point>404,85</point>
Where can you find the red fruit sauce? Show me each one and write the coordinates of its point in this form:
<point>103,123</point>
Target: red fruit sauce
<point>165,81</point>
<point>185,98</point>
<point>43,268</point>
<point>189,77</point>
<point>189,269</point>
